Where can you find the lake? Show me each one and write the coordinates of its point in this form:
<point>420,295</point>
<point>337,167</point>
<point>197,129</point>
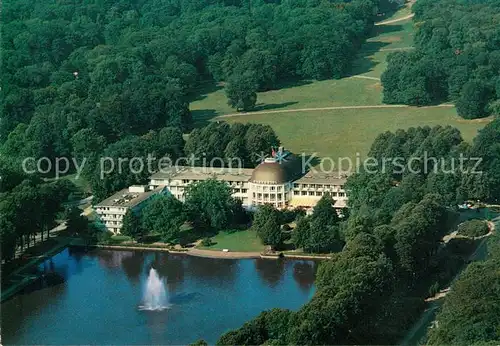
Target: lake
<point>94,297</point>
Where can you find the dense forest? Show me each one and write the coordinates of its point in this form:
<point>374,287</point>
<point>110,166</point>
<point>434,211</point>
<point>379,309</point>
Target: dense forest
<point>122,68</point>
<point>471,311</point>
<point>373,290</point>
<point>456,58</point>
<point>111,78</point>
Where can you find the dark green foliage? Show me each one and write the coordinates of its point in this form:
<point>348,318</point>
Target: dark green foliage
<point>206,242</point>
<point>266,223</point>
<point>456,58</point>
<point>487,147</point>
<point>473,100</point>
<point>132,225</point>
<point>239,144</point>
<point>76,223</point>
<point>209,204</point>
<point>164,215</point>
<point>126,68</point>
<point>241,91</point>
<point>419,229</point>
<point>434,289</point>
<point>270,327</point>
<point>319,232</point>
<point>132,160</point>
<point>473,228</point>
<point>200,342</point>
<point>27,209</point>
<point>104,237</point>
<point>470,313</point>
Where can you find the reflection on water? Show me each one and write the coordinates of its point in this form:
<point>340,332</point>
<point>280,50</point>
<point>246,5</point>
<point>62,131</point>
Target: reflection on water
<point>304,273</point>
<point>92,297</point>
<point>132,265</point>
<point>270,271</point>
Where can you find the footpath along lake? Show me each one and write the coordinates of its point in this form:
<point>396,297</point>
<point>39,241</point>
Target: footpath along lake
<point>94,297</point>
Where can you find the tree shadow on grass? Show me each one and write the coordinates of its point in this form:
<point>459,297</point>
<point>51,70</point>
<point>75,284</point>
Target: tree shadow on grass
<point>385,29</point>
<point>202,91</point>
<point>263,107</point>
<point>150,238</point>
<point>308,162</point>
<point>202,117</point>
<point>364,62</point>
<point>291,83</point>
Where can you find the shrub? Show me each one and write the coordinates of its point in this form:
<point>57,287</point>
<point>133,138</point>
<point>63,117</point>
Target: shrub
<point>207,242</point>
<point>104,237</point>
<point>434,289</point>
<point>473,228</point>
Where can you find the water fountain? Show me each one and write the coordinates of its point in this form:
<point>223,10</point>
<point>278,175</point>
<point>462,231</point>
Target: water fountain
<point>155,295</point>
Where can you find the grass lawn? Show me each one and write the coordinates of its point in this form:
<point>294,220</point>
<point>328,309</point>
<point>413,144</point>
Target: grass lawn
<point>386,39</point>
<point>307,94</point>
<point>339,133</point>
<point>327,93</point>
<point>118,239</point>
<point>349,91</point>
<point>389,15</point>
<point>80,183</point>
<point>239,241</point>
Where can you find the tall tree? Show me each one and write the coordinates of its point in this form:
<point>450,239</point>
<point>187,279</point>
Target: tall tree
<point>163,215</point>
<point>132,225</point>
<point>241,91</point>
<point>210,204</point>
<point>267,225</point>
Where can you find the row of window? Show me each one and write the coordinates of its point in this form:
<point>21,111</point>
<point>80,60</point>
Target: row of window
<point>268,188</point>
<point>316,186</point>
<point>112,216</point>
<point>267,196</point>
<point>317,193</point>
<point>114,223</point>
<point>110,208</point>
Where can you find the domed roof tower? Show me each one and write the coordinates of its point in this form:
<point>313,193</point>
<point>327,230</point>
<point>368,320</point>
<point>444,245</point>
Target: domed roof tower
<point>270,172</point>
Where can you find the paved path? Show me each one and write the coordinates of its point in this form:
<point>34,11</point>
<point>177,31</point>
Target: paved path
<point>326,109</point>
<point>38,238</point>
<point>366,77</point>
<point>394,49</point>
<point>221,254</point>
<point>392,21</point>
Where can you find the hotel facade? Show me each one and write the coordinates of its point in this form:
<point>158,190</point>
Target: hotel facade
<point>280,183</point>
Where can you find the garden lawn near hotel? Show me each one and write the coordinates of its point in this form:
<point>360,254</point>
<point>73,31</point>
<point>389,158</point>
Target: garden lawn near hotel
<point>238,241</point>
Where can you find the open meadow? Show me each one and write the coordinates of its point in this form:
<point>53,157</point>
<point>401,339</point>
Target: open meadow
<point>339,118</point>
<point>345,132</point>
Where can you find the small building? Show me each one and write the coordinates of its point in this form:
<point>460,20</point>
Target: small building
<point>112,210</point>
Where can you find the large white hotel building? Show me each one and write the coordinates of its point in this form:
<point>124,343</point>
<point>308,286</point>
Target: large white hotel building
<point>282,184</point>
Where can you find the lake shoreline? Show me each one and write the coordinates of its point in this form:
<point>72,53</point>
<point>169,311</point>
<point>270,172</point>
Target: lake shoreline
<point>211,253</point>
